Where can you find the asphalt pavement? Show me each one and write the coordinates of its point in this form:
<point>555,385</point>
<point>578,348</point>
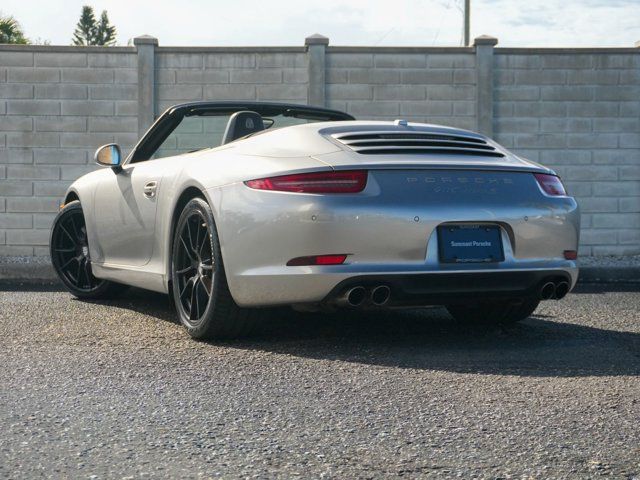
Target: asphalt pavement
<point>117,389</point>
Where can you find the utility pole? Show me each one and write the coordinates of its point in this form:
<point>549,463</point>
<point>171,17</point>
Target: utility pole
<point>467,22</point>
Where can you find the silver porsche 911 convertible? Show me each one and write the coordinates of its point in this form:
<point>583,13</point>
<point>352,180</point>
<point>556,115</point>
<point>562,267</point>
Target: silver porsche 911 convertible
<point>229,206</point>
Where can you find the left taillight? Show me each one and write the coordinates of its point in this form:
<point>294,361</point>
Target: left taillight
<point>550,184</point>
<point>348,181</point>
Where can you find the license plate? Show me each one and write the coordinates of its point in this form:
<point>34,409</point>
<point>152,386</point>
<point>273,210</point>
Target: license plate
<point>470,243</point>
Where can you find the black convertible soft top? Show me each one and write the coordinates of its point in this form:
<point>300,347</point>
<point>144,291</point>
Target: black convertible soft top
<point>171,117</point>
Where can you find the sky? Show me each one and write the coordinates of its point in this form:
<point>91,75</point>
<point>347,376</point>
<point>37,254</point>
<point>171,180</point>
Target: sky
<point>534,23</point>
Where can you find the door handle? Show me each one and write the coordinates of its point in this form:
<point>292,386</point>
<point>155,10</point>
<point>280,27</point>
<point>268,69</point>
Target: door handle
<point>150,189</point>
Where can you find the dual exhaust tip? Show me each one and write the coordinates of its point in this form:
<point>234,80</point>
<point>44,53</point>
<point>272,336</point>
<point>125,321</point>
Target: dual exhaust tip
<point>554,290</point>
<point>359,295</point>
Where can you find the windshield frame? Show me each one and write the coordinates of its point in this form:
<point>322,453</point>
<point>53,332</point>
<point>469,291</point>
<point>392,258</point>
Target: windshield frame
<point>173,116</point>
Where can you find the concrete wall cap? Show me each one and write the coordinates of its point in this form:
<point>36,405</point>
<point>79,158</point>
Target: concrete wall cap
<point>316,39</point>
<point>485,40</point>
<point>145,40</point>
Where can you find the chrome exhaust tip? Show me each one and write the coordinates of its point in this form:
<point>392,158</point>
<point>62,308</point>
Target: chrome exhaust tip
<point>353,297</point>
<point>547,291</point>
<point>380,295</point>
<point>562,288</point>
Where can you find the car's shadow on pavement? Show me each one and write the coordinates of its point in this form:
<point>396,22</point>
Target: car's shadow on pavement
<point>429,339</point>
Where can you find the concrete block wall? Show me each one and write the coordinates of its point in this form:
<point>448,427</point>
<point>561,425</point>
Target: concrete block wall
<point>422,85</point>
<point>188,74</point>
<point>576,110</point>
<point>579,113</point>
<point>57,105</point>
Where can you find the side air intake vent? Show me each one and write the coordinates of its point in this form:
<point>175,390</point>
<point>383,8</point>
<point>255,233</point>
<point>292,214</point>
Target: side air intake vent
<point>384,143</point>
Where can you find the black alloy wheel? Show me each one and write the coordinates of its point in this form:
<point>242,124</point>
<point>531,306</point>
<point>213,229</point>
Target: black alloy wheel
<point>198,282</point>
<point>70,255</point>
<point>194,267</point>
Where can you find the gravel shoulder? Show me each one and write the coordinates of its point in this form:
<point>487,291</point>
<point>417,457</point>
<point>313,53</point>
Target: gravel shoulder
<point>117,389</point>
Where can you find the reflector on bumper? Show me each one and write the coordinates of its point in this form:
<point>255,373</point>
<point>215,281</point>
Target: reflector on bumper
<point>318,260</point>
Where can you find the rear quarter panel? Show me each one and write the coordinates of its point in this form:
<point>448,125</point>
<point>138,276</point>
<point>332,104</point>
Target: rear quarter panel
<point>209,172</point>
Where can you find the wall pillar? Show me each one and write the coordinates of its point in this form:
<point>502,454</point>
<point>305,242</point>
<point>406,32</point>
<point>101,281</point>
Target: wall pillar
<point>484,83</point>
<point>146,46</point>
<point>316,48</point>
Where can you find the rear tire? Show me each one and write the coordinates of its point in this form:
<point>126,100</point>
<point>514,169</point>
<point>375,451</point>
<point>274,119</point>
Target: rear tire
<point>505,312</point>
<point>199,285</point>
<point>69,250</point>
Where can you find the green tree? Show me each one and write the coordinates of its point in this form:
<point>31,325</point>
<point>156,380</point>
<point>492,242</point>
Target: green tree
<point>89,31</point>
<point>85,31</point>
<point>11,31</point>
<point>106,33</point>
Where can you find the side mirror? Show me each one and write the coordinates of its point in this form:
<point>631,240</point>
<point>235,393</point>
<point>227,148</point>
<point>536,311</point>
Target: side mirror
<point>109,155</point>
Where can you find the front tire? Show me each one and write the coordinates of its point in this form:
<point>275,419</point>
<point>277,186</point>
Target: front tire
<point>199,286</point>
<point>69,250</point>
<point>498,312</point>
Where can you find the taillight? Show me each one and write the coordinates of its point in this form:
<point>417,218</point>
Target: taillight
<point>334,259</point>
<point>350,181</point>
<point>550,184</point>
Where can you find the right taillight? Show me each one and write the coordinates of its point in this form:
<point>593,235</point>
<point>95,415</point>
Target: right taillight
<point>550,184</point>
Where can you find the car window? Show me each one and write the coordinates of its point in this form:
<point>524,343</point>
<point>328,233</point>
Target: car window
<point>206,131</point>
<point>195,126</point>
<point>193,133</point>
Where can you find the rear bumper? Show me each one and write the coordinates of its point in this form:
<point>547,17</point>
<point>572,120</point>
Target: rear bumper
<point>452,288</point>
<point>409,286</point>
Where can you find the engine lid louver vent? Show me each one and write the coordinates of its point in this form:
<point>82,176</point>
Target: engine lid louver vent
<point>386,143</point>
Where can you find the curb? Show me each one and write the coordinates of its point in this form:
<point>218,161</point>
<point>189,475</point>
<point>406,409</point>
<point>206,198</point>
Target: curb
<point>37,272</point>
<point>27,274</point>
<point>604,274</point>
<point>21,276</point>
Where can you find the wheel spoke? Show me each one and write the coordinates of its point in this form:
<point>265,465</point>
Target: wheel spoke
<point>79,272</point>
<point>187,249</point>
<point>68,262</point>
<point>185,270</point>
<point>196,250</point>
<point>73,225</point>
<point>188,225</point>
<point>73,240</point>
<point>207,289</point>
<point>204,294</point>
<point>194,300</point>
<point>198,286</point>
<point>186,285</point>
<point>204,241</point>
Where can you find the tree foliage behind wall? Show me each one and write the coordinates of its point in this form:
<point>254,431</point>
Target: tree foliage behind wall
<point>105,33</point>
<point>90,31</point>
<point>11,31</point>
